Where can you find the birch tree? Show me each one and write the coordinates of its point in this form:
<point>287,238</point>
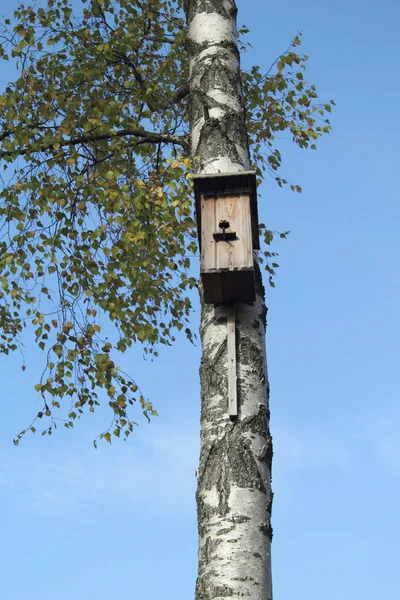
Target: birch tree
<point>115,105</point>
<point>234,495</point>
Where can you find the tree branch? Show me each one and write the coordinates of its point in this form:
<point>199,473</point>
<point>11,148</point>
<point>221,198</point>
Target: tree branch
<point>180,93</point>
<point>146,137</point>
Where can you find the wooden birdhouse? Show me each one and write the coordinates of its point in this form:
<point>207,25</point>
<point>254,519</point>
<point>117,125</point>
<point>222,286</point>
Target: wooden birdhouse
<point>227,221</point>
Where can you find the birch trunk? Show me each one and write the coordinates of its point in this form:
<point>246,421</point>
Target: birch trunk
<point>234,496</point>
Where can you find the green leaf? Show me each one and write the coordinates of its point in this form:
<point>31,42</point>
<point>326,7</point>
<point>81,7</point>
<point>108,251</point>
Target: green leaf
<point>57,349</point>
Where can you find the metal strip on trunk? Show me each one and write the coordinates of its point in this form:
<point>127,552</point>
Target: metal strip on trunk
<point>232,380</point>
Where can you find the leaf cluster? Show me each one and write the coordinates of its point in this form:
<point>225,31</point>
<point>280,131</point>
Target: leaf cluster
<point>281,102</point>
<point>97,227</point>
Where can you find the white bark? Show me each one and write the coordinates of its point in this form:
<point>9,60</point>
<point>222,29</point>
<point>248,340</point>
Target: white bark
<point>213,36</point>
<point>234,494</point>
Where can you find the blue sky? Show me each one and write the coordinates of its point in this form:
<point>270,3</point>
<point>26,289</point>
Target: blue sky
<point>120,521</point>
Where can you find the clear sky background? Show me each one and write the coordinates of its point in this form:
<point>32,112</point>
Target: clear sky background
<point>120,522</point>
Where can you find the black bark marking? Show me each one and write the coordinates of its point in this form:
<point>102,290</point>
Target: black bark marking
<point>269,506</point>
<point>258,424</point>
<point>249,354</point>
<point>213,372</point>
<point>229,461</point>
<point>215,140</point>
<point>240,519</point>
<point>267,454</point>
<point>225,530</point>
<point>266,529</point>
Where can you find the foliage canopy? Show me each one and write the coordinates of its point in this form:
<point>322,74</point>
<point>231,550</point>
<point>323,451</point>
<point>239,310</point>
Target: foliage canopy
<point>96,210</point>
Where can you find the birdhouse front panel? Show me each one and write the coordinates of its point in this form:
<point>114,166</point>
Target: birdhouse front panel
<point>226,232</point>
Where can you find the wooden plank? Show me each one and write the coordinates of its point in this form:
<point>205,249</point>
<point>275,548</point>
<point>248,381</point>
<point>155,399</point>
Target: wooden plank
<point>232,379</point>
<point>208,244</point>
<point>239,253</point>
